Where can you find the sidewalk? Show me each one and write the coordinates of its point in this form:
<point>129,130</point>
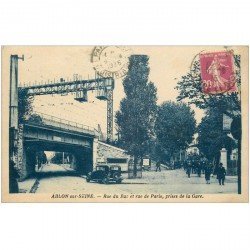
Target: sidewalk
<point>26,185</point>
<point>174,177</point>
<point>176,181</point>
<point>29,185</point>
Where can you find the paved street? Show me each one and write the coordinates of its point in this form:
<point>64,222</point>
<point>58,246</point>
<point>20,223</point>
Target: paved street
<point>59,179</point>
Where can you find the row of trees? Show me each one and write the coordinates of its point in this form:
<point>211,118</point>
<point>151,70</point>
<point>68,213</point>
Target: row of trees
<point>175,126</point>
<point>145,128</point>
<point>211,137</point>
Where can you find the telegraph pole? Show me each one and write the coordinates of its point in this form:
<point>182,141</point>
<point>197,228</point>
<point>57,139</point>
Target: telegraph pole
<point>236,132</point>
<point>13,107</point>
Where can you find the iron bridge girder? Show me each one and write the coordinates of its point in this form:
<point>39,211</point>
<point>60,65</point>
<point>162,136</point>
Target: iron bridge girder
<point>67,87</point>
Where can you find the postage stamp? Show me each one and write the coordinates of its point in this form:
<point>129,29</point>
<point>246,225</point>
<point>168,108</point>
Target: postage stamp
<point>110,61</point>
<point>217,72</point>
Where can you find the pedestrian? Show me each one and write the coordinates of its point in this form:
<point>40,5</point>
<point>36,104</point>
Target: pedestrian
<point>198,167</point>
<point>203,164</point>
<point>158,166</point>
<point>208,171</point>
<point>185,165</point>
<point>221,174</point>
<point>189,166</point>
<point>13,176</point>
<point>193,167</point>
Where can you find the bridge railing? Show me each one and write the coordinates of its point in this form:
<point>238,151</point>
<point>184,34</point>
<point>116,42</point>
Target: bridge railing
<point>64,124</point>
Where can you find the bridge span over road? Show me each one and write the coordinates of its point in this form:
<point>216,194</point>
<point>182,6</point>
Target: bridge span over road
<point>48,133</point>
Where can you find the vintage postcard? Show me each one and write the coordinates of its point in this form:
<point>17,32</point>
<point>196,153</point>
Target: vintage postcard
<point>125,123</point>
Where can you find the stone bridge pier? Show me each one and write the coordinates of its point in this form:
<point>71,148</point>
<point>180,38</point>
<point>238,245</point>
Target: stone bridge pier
<point>82,161</point>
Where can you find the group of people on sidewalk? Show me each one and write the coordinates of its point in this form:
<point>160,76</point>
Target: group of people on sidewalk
<point>199,167</point>
<point>207,169</point>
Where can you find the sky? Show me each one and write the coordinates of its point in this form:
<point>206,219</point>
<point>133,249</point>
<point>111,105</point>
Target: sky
<point>48,63</point>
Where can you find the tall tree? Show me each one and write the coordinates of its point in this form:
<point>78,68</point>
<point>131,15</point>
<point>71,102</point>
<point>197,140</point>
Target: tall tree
<point>175,127</point>
<point>136,117</point>
<point>211,137</point>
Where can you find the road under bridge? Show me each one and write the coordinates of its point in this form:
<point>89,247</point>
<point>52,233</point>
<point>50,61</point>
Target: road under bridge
<point>54,134</point>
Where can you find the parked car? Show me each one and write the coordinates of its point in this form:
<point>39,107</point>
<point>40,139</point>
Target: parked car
<point>105,174</point>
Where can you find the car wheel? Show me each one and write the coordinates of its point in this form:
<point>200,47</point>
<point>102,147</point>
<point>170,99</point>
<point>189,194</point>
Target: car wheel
<point>119,181</point>
<point>105,180</point>
<point>87,179</point>
<point>116,176</point>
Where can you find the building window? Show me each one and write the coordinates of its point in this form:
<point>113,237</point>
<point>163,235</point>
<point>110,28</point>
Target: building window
<point>117,160</point>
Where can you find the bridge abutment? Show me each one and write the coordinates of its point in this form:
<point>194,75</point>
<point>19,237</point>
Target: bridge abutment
<point>26,156</point>
<point>28,166</point>
<point>74,162</point>
<point>88,160</point>
<point>82,161</point>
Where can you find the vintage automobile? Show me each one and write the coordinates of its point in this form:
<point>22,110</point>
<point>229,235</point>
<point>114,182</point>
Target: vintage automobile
<point>105,174</point>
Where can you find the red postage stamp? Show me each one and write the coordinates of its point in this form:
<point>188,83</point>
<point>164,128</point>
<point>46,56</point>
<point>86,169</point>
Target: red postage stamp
<point>217,72</point>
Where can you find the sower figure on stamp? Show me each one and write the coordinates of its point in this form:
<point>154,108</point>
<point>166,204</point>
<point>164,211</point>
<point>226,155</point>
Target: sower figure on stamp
<point>158,166</point>
<point>215,69</point>
<point>221,174</point>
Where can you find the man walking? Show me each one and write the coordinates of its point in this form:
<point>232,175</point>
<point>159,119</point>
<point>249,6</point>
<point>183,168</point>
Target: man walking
<point>198,167</point>
<point>221,173</point>
<point>188,168</point>
<point>158,166</point>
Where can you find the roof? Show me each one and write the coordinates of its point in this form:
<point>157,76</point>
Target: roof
<point>110,146</point>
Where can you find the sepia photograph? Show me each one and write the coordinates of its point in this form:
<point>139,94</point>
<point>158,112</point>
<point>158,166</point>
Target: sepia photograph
<point>125,123</point>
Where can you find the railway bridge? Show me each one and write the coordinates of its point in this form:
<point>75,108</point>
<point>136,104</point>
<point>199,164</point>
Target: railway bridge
<point>48,133</point>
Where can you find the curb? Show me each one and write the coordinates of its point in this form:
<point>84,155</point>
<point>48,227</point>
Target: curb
<point>36,183</point>
<point>35,186</point>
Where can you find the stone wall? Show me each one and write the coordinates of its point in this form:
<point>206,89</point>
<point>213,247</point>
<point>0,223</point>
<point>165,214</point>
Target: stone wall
<point>20,152</point>
<point>26,157</point>
<point>106,152</point>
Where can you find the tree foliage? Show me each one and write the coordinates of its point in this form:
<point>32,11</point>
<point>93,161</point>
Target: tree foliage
<point>211,137</point>
<point>190,89</point>
<point>136,117</point>
<point>57,158</point>
<point>25,108</point>
<point>35,118</point>
<point>175,127</point>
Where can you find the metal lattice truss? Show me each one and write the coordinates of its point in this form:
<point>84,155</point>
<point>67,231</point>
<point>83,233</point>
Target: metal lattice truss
<point>67,87</point>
